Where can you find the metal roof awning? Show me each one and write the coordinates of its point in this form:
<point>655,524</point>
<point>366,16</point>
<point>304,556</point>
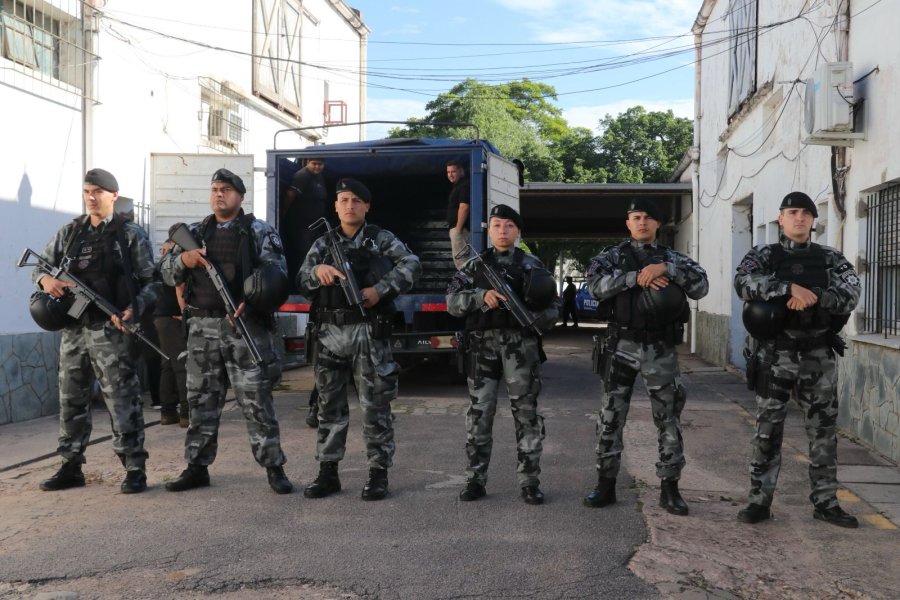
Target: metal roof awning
<point>593,210</point>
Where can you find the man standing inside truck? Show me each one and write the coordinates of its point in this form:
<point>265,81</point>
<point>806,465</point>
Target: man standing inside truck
<point>499,349</point>
<point>248,254</point>
<point>355,340</point>
<point>458,210</point>
<point>304,203</point>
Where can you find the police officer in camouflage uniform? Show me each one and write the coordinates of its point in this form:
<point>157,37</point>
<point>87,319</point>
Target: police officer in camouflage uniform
<point>819,289</point>
<point>499,349</point>
<point>242,247</point>
<point>642,286</point>
<point>355,344</point>
<point>114,258</point>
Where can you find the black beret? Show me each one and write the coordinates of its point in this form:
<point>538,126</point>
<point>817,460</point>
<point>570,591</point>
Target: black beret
<point>647,206</point>
<point>799,200</point>
<point>226,176</point>
<point>102,179</point>
<point>505,212</point>
<point>352,185</point>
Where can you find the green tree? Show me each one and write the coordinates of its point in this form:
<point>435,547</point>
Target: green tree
<point>642,147</point>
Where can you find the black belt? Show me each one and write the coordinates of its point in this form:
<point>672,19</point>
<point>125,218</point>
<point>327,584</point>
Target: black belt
<point>209,313</point>
<point>643,336</point>
<point>801,345</point>
<point>340,317</point>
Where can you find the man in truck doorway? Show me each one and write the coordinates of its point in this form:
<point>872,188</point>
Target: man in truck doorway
<point>458,210</point>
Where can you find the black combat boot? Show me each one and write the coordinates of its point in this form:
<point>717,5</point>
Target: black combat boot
<point>836,516</point>
<point>193,477</point>
<point>326,483</point>
<point>376,485</point>
<point>532,494</point>
<point>602,495</point>
<point>754,513</point>
<point>670,498</point>
<point>135,482</point>
<point>68,476</point>
<point>472,491</point>
<point>278,481</point>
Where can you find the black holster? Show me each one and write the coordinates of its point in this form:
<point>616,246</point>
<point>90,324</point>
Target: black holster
<point>312,340</point>
<point>599,341</point>
<point>752,359</point>
<point>382,327</point>
<point>836,343</point>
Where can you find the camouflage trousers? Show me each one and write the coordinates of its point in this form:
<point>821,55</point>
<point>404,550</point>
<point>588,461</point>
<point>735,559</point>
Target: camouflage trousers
<point>658,365</point>
<point>345,351</point>
<point>111,355</point>
<point>812,375</point>
<point>217,355</point>
<point>504,355</point>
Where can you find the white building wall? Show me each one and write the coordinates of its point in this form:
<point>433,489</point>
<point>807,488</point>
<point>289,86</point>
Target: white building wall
<point>148,101</point>
<point>759,157</point>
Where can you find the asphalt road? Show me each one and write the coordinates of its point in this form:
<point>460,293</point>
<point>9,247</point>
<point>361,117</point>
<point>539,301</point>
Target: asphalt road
<point>237,539</point>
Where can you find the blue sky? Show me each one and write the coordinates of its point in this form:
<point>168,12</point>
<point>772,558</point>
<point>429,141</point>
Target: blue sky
<point>418,49</point>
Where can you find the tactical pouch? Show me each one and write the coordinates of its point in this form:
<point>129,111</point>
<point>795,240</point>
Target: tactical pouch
<point>382,327</point>
<point>597,353</point>
<point>752,360</point>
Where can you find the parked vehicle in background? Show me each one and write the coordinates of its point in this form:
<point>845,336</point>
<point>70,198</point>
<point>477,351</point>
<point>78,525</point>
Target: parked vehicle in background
<point>408,181</point>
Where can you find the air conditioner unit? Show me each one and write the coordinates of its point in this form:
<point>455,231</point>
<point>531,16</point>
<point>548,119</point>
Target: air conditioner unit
<point>225,127</point>
<point>829,112</point>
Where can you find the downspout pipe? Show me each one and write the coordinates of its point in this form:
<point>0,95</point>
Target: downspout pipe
<point>699,25</point>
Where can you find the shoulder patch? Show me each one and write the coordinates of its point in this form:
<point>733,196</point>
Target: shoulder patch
<point>275,241</point>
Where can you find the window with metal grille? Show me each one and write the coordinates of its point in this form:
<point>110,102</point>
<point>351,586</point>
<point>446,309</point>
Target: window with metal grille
<point>882,291</point>
<point>44,40</point>
<point>742,26</point>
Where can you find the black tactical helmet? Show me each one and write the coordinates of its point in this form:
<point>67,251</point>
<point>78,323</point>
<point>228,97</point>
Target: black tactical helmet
<point>50,313</point>
<point>267,288</point>
<point>662,306</point>
<point>763,319</point>
<point>539,288</point>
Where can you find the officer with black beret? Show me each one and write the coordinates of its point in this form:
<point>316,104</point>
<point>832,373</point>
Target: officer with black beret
<point>811,289</point>
<point>355,343</point>
<point>643,288</point>
<point>500,349</point>
<point>249,255</point>
<point>113,257</point>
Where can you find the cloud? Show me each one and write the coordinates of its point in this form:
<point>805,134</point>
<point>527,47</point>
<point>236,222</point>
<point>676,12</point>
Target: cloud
<point>390,109</point>
<point>405,9</point>
<point>589,116</point>
<point>579,20</point>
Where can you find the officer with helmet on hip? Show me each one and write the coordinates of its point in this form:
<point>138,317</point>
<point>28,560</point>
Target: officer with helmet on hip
<point>249,255</point>
<point>498,348</point>
<point>799,295</point>
<point>113,257</point>
<point>643,288</point>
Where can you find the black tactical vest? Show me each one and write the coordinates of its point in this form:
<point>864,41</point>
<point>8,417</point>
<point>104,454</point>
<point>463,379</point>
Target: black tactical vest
<point>368,266</point>
<point>622,309</point>
<point>514,273</point>
<point>809,269</point>
<point>229,249</point>
<point>97,256</point>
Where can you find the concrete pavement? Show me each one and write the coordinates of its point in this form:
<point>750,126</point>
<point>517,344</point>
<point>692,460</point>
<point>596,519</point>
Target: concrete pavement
<point>707,554</point>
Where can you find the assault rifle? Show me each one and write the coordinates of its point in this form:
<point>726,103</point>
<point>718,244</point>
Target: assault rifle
<point>512,303</point>
<point>349,284</point>
<point>181,235</point>
<point>83,296</point>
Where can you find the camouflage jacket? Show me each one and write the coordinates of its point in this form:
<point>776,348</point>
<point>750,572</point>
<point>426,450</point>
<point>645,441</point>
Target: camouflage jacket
<point>268,249</point>
<point>606,278</point>
<point>398,280</point>
<point>140,255</point>
<point>464,298</point>
<point>755,278</point>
